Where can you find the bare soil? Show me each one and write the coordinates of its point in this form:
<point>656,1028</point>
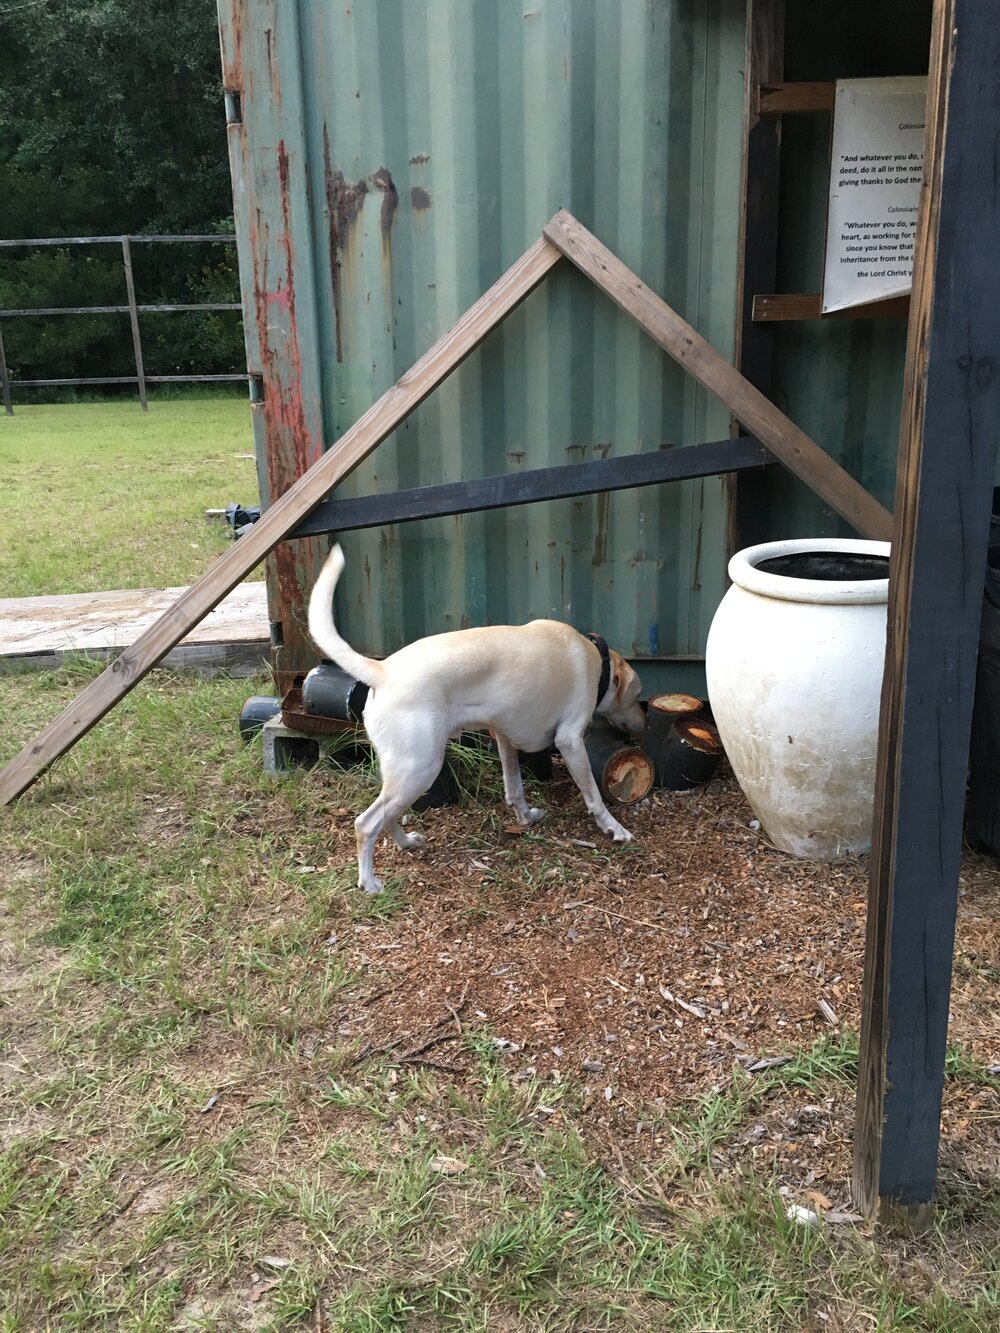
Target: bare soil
<point>642,972</point>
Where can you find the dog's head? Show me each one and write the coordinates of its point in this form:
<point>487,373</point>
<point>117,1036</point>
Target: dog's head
<point>623,709</point>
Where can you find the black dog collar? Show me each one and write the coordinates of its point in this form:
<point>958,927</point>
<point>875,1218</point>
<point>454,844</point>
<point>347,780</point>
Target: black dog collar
<point>602,647</point>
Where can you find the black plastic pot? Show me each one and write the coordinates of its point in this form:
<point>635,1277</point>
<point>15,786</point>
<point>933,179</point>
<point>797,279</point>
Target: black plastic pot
<point>662,711</point>
<point>328,691</point>
<point>257,710</point>
<point>624,771</point>
<point>689,756</point>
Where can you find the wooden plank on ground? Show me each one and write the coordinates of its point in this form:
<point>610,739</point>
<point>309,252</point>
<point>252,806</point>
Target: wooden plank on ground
<point>948,437</point>
<point>39,633</point>
<point>274,525</point>
<point>767,423</point>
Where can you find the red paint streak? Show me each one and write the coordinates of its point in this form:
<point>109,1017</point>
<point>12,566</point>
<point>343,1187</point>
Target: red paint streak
<point>291,447</point>
<point>232,52</point>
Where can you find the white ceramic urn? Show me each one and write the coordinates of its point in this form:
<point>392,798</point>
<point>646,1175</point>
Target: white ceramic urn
<point>794,666</point>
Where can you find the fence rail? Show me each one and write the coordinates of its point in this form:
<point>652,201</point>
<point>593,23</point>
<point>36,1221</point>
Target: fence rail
<point>133,309</point>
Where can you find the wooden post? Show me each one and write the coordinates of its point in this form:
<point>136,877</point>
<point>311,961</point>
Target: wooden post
<point>950,424</point>
<point>133,315</point>
<point>8,406</point>
<point>753,353</point>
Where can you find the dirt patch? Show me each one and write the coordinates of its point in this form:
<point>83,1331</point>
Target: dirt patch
<point>643,972</point>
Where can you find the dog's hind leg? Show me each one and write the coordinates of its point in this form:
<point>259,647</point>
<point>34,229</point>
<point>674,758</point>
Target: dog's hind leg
<point>513,784</point>
<point>406,842</point>
<point>573,750</point>
<point>402,783</point>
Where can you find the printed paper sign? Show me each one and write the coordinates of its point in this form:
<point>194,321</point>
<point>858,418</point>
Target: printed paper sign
<point>875,173</point>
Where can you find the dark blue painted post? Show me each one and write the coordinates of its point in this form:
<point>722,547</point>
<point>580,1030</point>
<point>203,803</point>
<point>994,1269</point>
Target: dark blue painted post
<point>950,426</point>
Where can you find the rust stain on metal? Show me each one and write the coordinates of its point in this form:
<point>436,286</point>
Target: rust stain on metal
<point>232,51</point>
<point>674,704</point>
<point>629,779</point>
<point>382,180</point>
<point>419,198</point>
<point>601,535</point>
<point>701,736</point>
<point>273,67</point>
<point>344,201</point>
<point>291,447</point>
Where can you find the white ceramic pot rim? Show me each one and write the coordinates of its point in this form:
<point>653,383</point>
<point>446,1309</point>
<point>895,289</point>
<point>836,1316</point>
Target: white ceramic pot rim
<point>848,592</point>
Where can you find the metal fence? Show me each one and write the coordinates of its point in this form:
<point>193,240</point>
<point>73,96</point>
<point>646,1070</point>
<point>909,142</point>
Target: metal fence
<point>132,309</point>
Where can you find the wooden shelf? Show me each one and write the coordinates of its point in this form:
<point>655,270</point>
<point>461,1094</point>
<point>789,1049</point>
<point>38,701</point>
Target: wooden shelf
<point>778,99</point>
<point>784,306</point>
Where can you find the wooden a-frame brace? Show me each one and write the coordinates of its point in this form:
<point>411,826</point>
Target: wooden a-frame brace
<point>563,236</point>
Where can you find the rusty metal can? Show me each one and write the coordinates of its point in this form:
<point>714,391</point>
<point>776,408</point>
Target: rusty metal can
<point>662,711</point>
<point>624,771</point>
<point>690,755</point>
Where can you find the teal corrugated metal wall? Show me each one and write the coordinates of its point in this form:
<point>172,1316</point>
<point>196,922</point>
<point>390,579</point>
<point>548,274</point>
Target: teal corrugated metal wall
<point>408,153</point>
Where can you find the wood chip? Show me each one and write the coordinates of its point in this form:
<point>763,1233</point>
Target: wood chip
<point>448,1166</point>
<point>827,1011</point>
<point>818,1200</point>
<point>682,1004</point>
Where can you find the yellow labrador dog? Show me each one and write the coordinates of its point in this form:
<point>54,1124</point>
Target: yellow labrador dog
<point>532,685</point>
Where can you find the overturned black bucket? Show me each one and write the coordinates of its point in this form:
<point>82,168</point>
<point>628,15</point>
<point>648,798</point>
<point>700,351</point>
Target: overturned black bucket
<point>329,691</point>
<point>662,711</point>
<point>689,756</point>
<point>257,710</point>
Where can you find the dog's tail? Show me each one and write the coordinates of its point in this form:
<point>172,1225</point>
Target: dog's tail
<point>324,631</point>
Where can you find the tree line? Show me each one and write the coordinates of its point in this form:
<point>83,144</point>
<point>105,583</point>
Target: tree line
<point>112,121</point>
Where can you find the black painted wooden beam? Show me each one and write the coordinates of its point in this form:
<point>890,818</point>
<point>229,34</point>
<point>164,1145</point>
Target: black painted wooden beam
<point>948,438</point>
<point>546,483</point>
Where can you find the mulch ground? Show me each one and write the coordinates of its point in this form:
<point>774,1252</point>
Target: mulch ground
<point>642,974</point>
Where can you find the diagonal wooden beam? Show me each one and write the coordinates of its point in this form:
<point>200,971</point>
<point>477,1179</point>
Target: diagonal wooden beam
<point>277,522</point>
<point>776,432</point>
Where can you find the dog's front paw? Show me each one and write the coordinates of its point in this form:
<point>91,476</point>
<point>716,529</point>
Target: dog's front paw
<point>373,885</point>
<point>621,834</point>
<point>534,815</point>
<point>410,841</point>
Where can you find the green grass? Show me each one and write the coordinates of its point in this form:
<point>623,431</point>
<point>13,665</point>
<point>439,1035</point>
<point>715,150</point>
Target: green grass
<point>100,495</point>
<point>163,948</point>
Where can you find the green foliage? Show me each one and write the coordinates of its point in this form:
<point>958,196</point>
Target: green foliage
<point>112,121</point>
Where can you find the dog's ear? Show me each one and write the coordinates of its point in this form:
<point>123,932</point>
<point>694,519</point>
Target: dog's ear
<point>617,673</point>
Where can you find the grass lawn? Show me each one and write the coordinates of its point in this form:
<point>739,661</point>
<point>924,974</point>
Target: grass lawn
<point>100,495</point>
<point>192,1135</point>
<point>236,1094</point>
